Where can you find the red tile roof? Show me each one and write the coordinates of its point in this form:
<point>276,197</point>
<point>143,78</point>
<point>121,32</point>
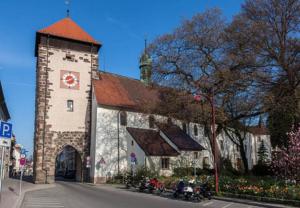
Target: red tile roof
<point>182,140</point>
<point>151,142</point>
<point>118,91</point>
<point>258,130</point>
<point>67,28</point>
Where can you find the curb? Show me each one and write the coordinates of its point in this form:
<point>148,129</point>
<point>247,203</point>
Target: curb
<point>253,203</point>
<point>21,198</point>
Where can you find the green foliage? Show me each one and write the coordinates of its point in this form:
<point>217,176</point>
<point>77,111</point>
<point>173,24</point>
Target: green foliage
<point>227,168</point>
<point>261,170</point>
<point>189,171</point>
<point>259,186</point>
<point>263,157</point>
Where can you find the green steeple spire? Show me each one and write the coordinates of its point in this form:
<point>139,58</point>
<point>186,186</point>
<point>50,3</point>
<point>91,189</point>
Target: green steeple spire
<point>145,67</point>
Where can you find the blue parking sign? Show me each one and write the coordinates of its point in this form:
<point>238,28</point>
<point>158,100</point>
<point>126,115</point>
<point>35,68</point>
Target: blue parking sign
<point>5,130</point>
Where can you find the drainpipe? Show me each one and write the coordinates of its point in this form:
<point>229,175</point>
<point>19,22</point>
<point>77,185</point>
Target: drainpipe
<point>118,132</point>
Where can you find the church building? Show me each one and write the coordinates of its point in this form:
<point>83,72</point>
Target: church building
<point>98,118</point>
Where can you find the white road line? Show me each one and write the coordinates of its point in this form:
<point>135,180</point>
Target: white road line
<point>227,205</point>
<point>43,206</point>
<point>206,204</point>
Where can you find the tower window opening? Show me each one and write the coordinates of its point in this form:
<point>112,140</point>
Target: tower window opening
<point>70,105</point>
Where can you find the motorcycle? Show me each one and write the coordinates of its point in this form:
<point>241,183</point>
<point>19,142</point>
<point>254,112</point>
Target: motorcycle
<point>205,191</point>
<point>179,189</point>
<point>143,185</point>
<point>154,184</point>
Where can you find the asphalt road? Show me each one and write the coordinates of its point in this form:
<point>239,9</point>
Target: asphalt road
<point>76,195</point>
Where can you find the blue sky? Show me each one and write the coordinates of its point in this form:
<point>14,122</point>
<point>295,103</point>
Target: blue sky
<point>120,25</point>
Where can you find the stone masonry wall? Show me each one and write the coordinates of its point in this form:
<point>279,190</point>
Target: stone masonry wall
<point>49,139</point>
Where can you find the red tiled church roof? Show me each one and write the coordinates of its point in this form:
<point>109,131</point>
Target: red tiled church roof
<point>177,136</point>
<point>118,91</point>
<point>67,28</point>
<point>259,130</point>
<point>151,142</point>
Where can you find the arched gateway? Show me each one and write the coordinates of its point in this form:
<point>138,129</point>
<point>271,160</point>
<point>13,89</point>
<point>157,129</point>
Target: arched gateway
<point>67,60</point>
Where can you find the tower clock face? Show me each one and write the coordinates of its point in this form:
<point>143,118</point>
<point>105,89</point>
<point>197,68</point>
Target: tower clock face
<point>69,79</point>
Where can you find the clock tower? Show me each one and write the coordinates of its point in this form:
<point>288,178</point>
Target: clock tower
<point>67,61</point>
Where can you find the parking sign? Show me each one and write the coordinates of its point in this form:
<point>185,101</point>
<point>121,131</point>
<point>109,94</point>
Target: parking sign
<point>5,130</point>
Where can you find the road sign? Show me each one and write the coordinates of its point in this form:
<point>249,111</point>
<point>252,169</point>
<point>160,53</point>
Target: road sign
<point>5,142</point>
<point>22,161</point>
<point>5,130</point>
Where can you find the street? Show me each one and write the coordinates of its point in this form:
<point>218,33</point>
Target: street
<point>76,195</point>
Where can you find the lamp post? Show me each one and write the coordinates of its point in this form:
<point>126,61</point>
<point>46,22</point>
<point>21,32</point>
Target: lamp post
<point>210,98</point>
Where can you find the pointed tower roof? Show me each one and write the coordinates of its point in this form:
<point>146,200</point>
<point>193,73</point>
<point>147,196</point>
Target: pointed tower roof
<point>67,28</point>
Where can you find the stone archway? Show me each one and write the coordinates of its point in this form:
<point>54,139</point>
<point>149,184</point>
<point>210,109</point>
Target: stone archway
<point>68,164</point>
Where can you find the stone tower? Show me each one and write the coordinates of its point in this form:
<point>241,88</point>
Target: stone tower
<point>67,61</point>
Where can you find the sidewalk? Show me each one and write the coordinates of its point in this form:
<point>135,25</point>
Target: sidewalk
<point>10,197</point>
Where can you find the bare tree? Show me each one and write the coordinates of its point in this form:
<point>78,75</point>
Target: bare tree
<point>194,59</point>
<point>266,35</point>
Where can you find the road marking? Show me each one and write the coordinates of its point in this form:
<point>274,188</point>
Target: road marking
<point>206,204</point>
<point>45,206</point>
<point>227,205</point>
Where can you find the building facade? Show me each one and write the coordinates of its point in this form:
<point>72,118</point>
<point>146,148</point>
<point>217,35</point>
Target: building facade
<point>67,59</point>
<point>103,116</point>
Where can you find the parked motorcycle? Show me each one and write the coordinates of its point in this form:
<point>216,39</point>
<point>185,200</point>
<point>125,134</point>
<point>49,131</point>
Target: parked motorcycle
<point>205,191</point>
<point>143,184</point>
<point>179,189</point>
<point>155,185</point>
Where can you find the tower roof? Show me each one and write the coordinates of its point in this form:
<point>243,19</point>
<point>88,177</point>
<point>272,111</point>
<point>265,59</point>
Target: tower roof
<point>67,28</point>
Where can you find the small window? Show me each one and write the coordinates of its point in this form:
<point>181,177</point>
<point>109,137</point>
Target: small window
<point>196,155</point>
<point>184,127</point>
<point>195,130</point>
<point>165,163</point>
<point>70,106</point>
<point>151,122</point>
<point>169,121</point>
<point>123,118</point>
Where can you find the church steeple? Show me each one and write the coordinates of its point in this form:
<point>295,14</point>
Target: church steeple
<point>145,67</point>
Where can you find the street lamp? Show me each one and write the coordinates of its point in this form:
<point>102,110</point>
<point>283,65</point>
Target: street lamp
<point>210,98</point>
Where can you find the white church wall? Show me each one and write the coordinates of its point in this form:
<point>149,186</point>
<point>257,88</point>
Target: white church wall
<point>105,145</point>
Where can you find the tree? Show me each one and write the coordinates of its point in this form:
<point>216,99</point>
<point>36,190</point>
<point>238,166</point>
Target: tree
<point>266,35</point>
<point>194,59</point>
<point>286,162</point>
<point>263,155</point>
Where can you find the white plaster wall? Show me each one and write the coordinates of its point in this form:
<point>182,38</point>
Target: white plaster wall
<point>106,144</point>
<point>64,120</point>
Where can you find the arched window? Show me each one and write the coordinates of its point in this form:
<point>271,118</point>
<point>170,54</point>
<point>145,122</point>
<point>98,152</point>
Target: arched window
<point>151,121</point>
<point>184,127</point>
<point>169,121</point>
<point>123,118</point>
<point>195,130</point>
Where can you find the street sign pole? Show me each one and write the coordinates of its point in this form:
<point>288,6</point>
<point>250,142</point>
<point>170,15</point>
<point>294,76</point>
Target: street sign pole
<point>1,174</point>
<point>21,181</point>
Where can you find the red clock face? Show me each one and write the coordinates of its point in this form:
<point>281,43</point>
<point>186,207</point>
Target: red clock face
<point>69,80</point>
